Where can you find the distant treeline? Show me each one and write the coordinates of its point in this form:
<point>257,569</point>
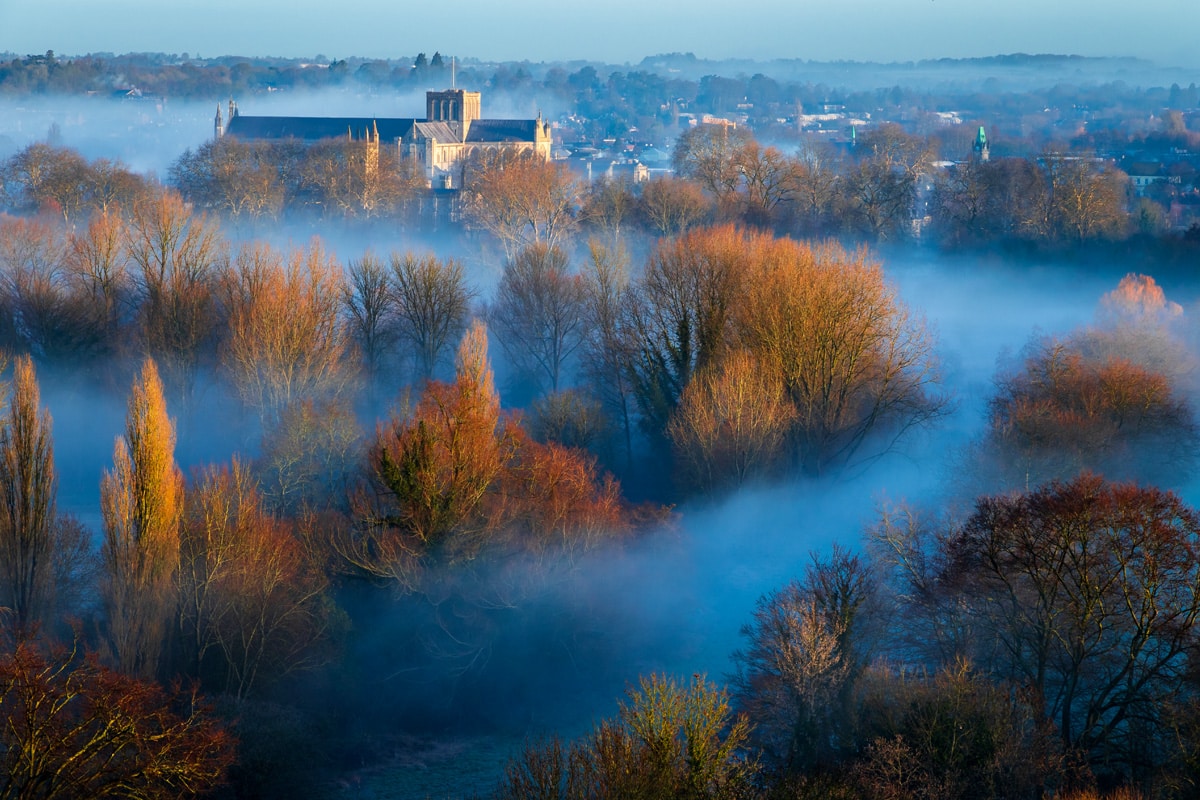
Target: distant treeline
<point>639,104</point>
<point>887,186</point>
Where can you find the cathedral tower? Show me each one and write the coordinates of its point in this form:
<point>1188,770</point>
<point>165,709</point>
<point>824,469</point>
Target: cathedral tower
<point>456,107</point>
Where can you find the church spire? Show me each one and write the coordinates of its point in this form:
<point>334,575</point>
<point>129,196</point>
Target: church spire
<point>981,148</point>
<point>218,125</point>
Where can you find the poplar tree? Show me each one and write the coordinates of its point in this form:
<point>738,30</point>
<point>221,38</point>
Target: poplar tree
<point>28,484</point>
<point>141,500</point>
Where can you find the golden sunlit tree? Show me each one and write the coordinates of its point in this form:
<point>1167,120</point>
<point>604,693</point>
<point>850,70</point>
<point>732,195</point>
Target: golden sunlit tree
<point>141,500</point>
<point>521,199</point>
<point>731,423</point>
<point>854,363</point>
<point>286,340</point>
<point>669,740</point>
<point>28,484</point>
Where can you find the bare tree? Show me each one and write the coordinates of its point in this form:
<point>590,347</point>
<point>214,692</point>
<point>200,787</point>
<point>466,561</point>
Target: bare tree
<point>853,361</point>
<point>44,318</point>
<point>806,647</point>
<point>731,423</point>
<point>98,271</point>
<point>251,593</point>
<point>538,313</point>
<point>708,153</point>
<point>609,204</point>
<point>356,178</point>
<point>370,303</point>
<point>114,186</point>
<point>1087,200</point>
<point>1085,593</point>
<point>431,301</point>
<point>231,176</point>
<point>176,259</point>
<point>51,178</point>
<point>286,340</point>
<point>815,182</point>
<point>311,457</point>
<point>881,187</point>
<point>672,206</point>
<point>605,352</point>
<point>769,178</point>
<point>680,314</point>
<point>76,729</point>
<point>521,200</point>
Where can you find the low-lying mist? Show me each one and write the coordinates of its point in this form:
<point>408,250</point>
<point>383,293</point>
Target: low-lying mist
<point>674,599</point>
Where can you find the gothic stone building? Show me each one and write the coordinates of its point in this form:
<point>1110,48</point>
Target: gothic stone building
<point>452,130</point>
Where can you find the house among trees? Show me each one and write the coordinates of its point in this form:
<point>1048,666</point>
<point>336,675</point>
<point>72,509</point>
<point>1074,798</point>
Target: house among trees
<point>453,130</point>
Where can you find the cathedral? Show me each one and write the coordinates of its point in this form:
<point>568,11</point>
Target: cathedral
<point>453,129</point>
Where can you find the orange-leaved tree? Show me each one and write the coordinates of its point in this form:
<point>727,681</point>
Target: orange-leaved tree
<point>456,475</point>
<point>75,729</point>
<point>141,500</point>
<point>252,603</point>
<point>1069,410</point>
<point>432,469</point>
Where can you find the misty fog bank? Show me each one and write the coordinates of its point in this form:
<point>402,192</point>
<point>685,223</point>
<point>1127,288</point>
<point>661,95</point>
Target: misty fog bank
<point>675,601</point>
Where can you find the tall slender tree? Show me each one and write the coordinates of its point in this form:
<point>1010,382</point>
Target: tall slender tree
<point>141,500</point>
<point>28,484</point>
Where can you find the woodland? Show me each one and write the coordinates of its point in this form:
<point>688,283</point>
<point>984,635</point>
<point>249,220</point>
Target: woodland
<point>429,487</point>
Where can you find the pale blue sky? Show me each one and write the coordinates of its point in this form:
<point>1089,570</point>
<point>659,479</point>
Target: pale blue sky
<point>1166,31</point>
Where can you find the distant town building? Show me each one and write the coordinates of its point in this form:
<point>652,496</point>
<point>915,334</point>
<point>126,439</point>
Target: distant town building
<point>981,148</point>
<point>453,129</point>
